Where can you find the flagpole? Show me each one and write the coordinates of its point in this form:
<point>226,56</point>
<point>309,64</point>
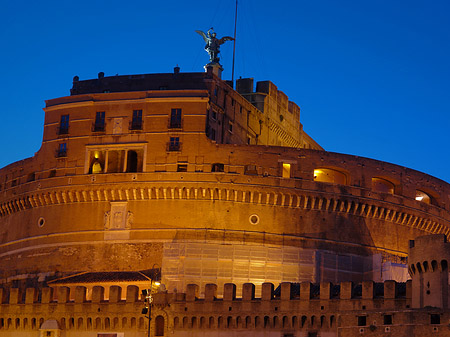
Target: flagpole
<point>234,43</point>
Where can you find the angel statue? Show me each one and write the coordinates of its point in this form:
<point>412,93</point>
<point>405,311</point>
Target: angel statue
<point>213,44</point>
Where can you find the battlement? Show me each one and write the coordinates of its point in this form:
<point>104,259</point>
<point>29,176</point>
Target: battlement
<point>305,306</point>
<point>286,291</point>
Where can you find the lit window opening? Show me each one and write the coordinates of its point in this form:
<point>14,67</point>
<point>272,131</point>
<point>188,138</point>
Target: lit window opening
<point>382,185</point>
<point>286,173</point>
<point>332,176</point>
<point>423,197</point>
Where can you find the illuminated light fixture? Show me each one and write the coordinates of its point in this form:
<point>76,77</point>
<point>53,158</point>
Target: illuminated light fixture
<point>316,173</point>
<point>96,155</point>
<point>157,283</point>
<point>419,198</point>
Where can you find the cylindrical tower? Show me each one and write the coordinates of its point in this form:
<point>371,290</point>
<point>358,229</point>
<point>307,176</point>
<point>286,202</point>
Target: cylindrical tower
<point>428,267</point>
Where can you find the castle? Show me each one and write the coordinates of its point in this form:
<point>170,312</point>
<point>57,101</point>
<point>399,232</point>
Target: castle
<point>183,176</point>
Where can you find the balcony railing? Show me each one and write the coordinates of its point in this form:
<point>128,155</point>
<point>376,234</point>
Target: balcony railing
<point>136,125</point>
<point>61,153</point>
<point>175,123</point>
<point>173,146</point>
<point>98,127</point>
<point>63,130</point>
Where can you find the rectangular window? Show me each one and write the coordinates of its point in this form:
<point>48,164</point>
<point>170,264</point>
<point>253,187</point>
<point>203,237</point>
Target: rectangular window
<point>230,127</point>
<point>387,319</point>
<point>182,168</point>
<point>362,320</point>
<point>136,123</point>
<point>286,170</point>
<point>213,134</point>
<point>174,144</point>
<point>214,115</point>
<point>62,150</point>
<point>251,170</point>
<point>64,125</point>
<point>435,319</point>
<point>175,119</point>
<point>99,124</point>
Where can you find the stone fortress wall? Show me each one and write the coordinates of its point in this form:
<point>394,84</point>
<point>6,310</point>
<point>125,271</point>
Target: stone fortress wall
<point>345,309</point>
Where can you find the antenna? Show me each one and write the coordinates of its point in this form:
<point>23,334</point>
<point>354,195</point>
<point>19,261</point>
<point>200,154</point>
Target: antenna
<point>234,44</point>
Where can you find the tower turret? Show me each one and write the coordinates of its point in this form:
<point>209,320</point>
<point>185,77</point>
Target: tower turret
<point>428,267</point>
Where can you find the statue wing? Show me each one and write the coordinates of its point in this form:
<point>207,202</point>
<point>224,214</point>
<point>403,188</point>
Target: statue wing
<point>202,34</point>
<point>224,39</point>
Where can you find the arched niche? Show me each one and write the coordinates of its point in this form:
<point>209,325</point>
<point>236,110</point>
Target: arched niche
<point>330,175</point>
<point>423,197</point>
<point>382,185</point>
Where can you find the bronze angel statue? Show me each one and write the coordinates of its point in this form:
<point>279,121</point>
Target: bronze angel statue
<point>213,44</point>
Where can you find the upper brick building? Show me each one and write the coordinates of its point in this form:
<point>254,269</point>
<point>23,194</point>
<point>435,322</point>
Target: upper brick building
<point>208,183</point>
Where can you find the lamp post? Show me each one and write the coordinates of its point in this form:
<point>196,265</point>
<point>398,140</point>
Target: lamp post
<point>148,294</point>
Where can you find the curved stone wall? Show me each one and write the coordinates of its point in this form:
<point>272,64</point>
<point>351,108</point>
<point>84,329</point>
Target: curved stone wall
<point>58,218</point>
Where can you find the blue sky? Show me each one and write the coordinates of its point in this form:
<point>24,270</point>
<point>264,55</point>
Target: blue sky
<point>372,78</point>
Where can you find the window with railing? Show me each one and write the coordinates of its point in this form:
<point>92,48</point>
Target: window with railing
<point>175,119</point>
<point>217,167</point>
<point>174,144</point>
<point>99,124</point>
<point>63,125</point>
<point>136,122</point>
<point>62,150</point>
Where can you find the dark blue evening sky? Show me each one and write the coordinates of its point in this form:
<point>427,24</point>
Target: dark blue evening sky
<point>372,78</point>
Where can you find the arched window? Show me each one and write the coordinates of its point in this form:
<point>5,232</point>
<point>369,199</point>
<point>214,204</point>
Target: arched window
<point>304,318</point>
<point>97,161</point>
<point>257,322</point>
<point>248,322</point>
<point>327,175</point>
<point>159,326</point>
<point>434,265</point>
<point>444,265</point>
<point>107,323</point>
<point>382,185</point>
<point>423,197</point>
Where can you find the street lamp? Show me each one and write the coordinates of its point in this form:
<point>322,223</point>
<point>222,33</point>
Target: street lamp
<point>148,295</point>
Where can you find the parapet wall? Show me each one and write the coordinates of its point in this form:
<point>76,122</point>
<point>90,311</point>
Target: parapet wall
<point>286,291</point>
<point>296,309</point>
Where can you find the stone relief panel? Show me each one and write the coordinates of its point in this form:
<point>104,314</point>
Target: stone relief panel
<point>117,220</point>
<point>117,126</point>
<point>118,217</point>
